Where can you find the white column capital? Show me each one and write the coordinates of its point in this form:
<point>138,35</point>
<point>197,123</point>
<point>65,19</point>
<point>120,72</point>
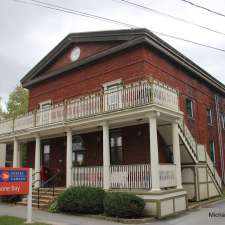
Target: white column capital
<point>153,115</point>
<point>104,123</point>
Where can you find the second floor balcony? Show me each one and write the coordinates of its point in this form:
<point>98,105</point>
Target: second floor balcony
<point>128,97</point>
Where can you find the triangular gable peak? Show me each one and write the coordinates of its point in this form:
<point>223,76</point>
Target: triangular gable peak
<point>77,52</point>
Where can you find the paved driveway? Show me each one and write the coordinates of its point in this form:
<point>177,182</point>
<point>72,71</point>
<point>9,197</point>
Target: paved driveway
<point>194,217</point>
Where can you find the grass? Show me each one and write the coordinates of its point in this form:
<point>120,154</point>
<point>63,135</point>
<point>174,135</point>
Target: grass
<point>9,220</point>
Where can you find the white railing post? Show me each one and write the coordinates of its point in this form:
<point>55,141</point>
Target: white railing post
<point>106,156</point>
<point>69,159</point>
<point>15,153</point>
<point>176,153</point>
<point>154,152</point>
<point>37,166</point>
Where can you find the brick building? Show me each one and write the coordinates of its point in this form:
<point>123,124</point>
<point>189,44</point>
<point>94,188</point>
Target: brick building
<point>123,110</point>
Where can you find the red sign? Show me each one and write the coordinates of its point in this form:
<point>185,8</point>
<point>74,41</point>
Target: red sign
<point>14,181</point>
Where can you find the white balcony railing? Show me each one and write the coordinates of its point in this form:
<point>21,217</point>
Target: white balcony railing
<point>130,96</point>
<point>167,174</point>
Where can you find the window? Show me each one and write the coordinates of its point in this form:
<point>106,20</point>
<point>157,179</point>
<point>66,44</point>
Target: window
<point>116,143</point>
<point>189,107</point>
<point>113,97</point>
<point>212,150</point>
<point>78,151</point>
<point>223,120</point>
<point>209,116</point>
<point>46,156</point>
<point>45,112</point>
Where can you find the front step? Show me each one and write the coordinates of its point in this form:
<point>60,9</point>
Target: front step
<point>45,198</point>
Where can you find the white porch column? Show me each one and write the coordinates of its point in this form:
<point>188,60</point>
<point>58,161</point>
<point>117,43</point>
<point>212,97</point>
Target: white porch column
<point>154,152</point>
<point>176,153</point>
<point>69,159</point>
<point>37,166</point>
<point>2,155</point>
<point>15,153</point>
<point>106,157</point>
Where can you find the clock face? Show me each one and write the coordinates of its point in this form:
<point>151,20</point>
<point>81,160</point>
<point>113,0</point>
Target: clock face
<point>75,54</point>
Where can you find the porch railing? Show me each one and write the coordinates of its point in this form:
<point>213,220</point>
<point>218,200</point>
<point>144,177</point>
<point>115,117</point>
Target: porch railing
<point>124,176</point>
<point>130,96</point>
<point>130,176</point>
<point>167,174</point>
<point>88,176</point>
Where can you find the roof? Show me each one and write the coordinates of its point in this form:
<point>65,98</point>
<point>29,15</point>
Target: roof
<point>129,38</point>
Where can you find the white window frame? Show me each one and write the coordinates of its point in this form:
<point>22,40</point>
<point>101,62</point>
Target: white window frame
<point>192,108</point>
<point>223,120</point>
<point>110,97</point>
<point>209,116</point>
<point>213,145</point>
<point>45,114</point>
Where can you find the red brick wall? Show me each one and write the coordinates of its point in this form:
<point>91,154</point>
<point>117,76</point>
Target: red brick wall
<point>128,66</point>
<point>203,96</point>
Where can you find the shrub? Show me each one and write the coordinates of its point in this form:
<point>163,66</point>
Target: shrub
<point>123,205</point>
<point>53,208</point>
<point>82,200</point>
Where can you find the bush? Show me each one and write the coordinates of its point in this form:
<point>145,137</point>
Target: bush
<point>53,208</point>
<point>82,200</point>
<point>123,205</point>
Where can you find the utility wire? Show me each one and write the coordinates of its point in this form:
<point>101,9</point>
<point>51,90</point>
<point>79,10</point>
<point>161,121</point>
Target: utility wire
<point>84,14</point>
<point>204,8</point>
<point>168,15</point>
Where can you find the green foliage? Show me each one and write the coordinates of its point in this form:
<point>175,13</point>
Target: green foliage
<point>17,103</point>
<point>82,200</point>
<point>123,205</point>
<point>53,208</point>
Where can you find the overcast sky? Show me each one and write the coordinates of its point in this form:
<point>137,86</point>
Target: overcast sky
<point>28,32</point>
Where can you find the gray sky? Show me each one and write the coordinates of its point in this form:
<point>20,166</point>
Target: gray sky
<point>28,33</point>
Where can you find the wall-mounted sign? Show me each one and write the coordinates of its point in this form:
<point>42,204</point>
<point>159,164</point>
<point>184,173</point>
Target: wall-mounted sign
<point>14,181</point>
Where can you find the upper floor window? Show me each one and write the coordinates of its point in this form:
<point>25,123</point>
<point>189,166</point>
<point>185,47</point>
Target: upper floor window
<point>212,151</point>
<point>113,95</point>
<point>189,107</point>
<point>223,120</point>
<point>116,147</point>
<point>209,116</point>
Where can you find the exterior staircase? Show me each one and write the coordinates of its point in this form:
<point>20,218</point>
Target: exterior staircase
<point>43,197</point>
<point>193,153</point>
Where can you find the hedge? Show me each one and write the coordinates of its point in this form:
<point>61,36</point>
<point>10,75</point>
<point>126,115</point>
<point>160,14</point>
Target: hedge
<point>123,205</point>
<point>81,200</point>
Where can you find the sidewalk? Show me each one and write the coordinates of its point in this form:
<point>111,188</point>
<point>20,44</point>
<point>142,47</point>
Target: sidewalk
<point>51,218</point>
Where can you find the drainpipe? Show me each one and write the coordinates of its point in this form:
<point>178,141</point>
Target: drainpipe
<point>219,135</point>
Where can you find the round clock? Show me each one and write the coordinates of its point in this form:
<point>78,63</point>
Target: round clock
<point>75,54</point>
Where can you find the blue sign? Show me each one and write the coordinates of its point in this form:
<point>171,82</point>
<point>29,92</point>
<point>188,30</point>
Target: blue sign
<point>13,176</point>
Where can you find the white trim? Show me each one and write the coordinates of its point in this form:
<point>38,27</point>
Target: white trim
<point>110,83</point>
<point>45,103</point>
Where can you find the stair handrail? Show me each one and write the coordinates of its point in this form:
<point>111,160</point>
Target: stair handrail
<point>52,178</point>
<point>189,137</point>
<point>191,140</point>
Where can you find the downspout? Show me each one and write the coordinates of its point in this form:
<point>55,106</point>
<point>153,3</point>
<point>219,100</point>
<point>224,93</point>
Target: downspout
<point>219,129</point>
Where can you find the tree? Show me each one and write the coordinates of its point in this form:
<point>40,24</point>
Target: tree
<point>1,110</point>
<point>18,102</point>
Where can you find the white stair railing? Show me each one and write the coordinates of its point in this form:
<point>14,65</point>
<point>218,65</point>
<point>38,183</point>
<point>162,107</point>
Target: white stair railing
<point>200,153</point>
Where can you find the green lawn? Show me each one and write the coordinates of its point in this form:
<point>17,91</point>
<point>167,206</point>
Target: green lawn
<point>9,220</point>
